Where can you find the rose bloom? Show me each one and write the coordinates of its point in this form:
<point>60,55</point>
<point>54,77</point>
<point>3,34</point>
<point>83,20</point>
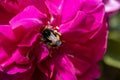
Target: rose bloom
<point>51,39</point>
<point>111,6</point>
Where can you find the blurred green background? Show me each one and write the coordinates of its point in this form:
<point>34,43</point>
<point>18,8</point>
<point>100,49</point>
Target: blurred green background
<point>110,65</point>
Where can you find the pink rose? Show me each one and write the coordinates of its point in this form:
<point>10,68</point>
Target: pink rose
<point>60,40</point>
<point>111,6</point>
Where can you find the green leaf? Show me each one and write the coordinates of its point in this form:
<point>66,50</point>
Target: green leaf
<point>112,57</point>
<point>114,21</point>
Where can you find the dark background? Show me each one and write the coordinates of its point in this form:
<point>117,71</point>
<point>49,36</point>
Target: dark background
<point>110,65</point>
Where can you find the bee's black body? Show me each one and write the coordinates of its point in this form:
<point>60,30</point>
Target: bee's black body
<point>50,37</point>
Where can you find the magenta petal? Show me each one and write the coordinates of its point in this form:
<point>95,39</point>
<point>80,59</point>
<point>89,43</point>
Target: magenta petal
<point>19,76</point>
<point>7,46</point>
<point>63,8</point>
<point>69,7</point>
<point>65,70</point>
<point>40,4</point>
<point>11,6</point>
<point>94,71</point>
<point>84,26</point>
<point>52,69</point>
<point>57,3</point>
<point>3,55</point>
<point>83,52</point>
<point>53,9</point>
<point>89,5</point>
<point>16,69</point>
<point>54,6</point>
<point>47,67</point>
<point>15,6</point>
<point>81,65</point>
<point>28,16</point>
<point>6,31</point>
<point>29,39</point>
<point>78,29</point>
<point>26,21</point>
<point>41,51</point>
<point>4,16</point>
<point>16,58</point>
<point>27,75</point>
<point>101,38</point>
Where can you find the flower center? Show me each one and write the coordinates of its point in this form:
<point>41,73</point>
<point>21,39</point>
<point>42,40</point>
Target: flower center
<point>51,37</point>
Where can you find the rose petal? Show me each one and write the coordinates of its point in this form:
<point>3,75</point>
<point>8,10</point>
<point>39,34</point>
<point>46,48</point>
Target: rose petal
<point>101,38</point>
<point>29,39</point>
<point>7,46</point>
<point>28,16</point>
<point>83,52</point>
<point>16,57</point>
<point>80,65</point>
<point>15,6</point>
<point>17,69</point>
<point>78,29</point>
<point>53,6</point>
<point>41,51</point>
<point>6,31</point>
<point>47,67</point>
<point>84,26</point>
<point>69,7</point>
<point>3,55</point>
<point>5,16</point>
<point>19,76</point>
<point>94,71</point>
<point>65,70</point>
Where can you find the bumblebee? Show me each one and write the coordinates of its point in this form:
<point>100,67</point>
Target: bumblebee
<point>51,38</point>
